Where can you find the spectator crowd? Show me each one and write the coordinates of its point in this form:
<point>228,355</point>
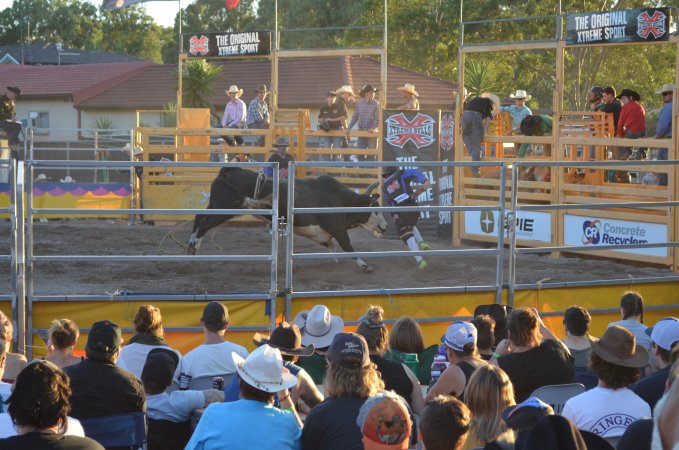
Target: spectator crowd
<point>502,380</point>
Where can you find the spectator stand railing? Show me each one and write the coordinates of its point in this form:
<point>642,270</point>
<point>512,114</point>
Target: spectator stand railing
<point>598,212</point>
<point>291,256</point>
<point>34,299</point>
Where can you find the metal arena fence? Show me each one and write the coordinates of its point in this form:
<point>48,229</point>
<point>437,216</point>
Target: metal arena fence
<point>22,255</point>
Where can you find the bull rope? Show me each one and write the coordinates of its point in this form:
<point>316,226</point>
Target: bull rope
<point>171,235</point>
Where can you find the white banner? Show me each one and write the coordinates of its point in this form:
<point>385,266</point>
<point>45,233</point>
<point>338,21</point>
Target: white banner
<point>119,4</point>
<point>597,231</point>
<point>530,226</point>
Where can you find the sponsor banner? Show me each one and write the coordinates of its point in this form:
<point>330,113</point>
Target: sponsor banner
<point>445,181</point>
<point>202,45</point>
<point>411,134</point>
<point>630,25</point>
<point>596,231</point>
<point>530,225</point>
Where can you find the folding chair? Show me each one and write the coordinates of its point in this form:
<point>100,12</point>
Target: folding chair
<point>126,431</point>
<point>557,394</point>
<point>166,435</point>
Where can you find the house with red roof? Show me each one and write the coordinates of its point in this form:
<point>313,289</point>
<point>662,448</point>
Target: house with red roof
<point>76,96</point>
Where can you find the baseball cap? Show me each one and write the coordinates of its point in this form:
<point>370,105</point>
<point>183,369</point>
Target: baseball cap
<point>349,349</point>
<point>460,334</point>
<point>665,333</point>
<point>104,340</point>
<point>215,316</point>
<point>526,414</point>
<point>160,366</point>
<point>384,421</point>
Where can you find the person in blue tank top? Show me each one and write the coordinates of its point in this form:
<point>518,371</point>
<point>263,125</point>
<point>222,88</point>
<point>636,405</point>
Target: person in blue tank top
<point>398,191</point>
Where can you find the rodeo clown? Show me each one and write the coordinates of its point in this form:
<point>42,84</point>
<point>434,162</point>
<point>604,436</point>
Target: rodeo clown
<point>398,191</point>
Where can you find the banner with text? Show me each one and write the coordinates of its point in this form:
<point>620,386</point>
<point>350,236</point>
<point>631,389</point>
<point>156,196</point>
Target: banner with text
<point>596,231</point>
<point>409,137</point>
<point>446,176</point>
<point>631,25</point>
<point>252,43</point>
<point>530,225</point>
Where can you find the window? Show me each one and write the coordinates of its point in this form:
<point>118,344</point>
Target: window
<point>40,120</point>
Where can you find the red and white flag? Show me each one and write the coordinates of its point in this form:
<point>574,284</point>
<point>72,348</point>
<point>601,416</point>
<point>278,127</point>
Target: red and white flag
<point>119,4</point>
<point>230,4</point>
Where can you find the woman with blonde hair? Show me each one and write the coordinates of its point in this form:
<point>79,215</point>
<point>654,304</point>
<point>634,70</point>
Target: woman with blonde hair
<point>148,324</point>
<point>488,394</point>
<point>62,336</point>
<point>14,362</point>
<point>351,378</point>
<point>397,376</point>
<point>406,345</point>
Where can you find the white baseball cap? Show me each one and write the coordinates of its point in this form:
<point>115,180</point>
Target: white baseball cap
<point>460,334</point>
<point>665,333</point>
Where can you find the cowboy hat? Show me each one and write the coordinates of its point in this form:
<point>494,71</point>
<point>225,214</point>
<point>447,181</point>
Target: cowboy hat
<point>67,179</point>
<point>367,88</point>
<point>263,369</point>
<point>281,141</point>
<point>668,87</point>
<point>262,88</point>
<point>346,88</point>
<point>409,88</point>
<point>15,89</point>
<point>494,98</point>
<point>619,346</point>
<point>630,94</point>
<point>318,326</point>
<point>520,93</point>
<point>233,89</point>
<point>287,338</point>
<point>40,177</point>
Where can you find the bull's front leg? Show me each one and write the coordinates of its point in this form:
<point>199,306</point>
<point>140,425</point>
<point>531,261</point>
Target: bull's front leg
<point>194,241</point>
<point>343,240</point>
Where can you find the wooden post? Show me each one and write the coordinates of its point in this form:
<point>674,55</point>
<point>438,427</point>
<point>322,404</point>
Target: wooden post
<point>459,145</point>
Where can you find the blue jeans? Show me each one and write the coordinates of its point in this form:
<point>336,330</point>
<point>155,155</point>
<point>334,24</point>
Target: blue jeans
<point>331,141</point>
<point>364,142</point>
<point>472,135</point>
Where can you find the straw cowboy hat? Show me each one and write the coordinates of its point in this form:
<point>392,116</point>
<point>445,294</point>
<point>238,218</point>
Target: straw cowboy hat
<point>67,179</point>
<point>345,88</point>
<point>318,326</point>
<point>669,87</point>
<point>409,88</point>
<point>287,338</point>
<point>263,369</point>
<point>520,93</point>
<point>619,346</point>
<point>233,89</point>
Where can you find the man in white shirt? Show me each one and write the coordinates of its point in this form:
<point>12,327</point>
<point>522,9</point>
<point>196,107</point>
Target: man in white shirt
<point>608,409</point>
<point>213,356</point>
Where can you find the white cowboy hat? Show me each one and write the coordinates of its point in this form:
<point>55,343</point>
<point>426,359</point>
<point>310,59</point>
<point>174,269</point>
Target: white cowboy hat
<point>669,87</point>
<point>494,98</point>
<point>67,179</point>
<point>263,369</point>
<point>409,88</point>
<point>345,88</point>
<point>520,93</point>
<point>40,177</point>
<point>318,326</point>
<point>233,89</point>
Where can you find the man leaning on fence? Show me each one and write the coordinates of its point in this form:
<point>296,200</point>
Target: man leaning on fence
<point>8,120</point>
<point>258,112</point>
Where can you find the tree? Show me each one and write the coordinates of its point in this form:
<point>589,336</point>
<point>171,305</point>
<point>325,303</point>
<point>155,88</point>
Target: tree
<point>197,79</point>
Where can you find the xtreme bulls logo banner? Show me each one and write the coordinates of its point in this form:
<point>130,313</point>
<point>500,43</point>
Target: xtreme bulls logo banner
<point>411,135</point>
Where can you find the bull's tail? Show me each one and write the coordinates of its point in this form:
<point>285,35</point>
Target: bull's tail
<point>258,203</point>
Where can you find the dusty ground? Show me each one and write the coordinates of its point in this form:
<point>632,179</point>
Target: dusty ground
<point>107,237</point>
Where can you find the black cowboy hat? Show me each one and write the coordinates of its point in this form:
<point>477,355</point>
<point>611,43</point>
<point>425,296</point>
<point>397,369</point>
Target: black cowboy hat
<point>629,93</point>
<point>15,89</point>
<point>367,88</point>
<point>262,88</point>
<point>287,338</point>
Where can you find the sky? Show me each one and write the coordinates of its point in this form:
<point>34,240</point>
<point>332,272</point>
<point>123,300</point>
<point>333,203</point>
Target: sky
<point>163,12</point>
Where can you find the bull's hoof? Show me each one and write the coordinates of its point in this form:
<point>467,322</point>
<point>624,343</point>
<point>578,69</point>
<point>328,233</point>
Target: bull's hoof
<point>367,269</point>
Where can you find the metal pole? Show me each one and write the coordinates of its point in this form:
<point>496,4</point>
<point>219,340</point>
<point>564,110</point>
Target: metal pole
<point>273,291</point>
<point>500,233</point>
<point>512,233</point>
<point>28,298</point>
<point>18,227</point>
<point>288,243</point>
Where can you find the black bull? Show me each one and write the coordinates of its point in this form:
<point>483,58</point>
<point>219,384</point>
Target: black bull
<point>234,188</point>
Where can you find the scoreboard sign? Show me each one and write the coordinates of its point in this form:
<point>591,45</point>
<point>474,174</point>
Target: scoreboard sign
<point>252,43</point>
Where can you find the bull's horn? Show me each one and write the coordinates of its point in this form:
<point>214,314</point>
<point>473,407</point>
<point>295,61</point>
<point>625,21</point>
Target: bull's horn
<point>370,188</point>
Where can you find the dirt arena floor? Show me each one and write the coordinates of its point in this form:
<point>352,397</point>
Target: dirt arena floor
<point>116,237</point>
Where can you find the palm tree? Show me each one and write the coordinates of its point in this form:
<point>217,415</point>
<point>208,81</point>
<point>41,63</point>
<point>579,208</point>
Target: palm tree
<point>479,77</point>
<point>198,77</point>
